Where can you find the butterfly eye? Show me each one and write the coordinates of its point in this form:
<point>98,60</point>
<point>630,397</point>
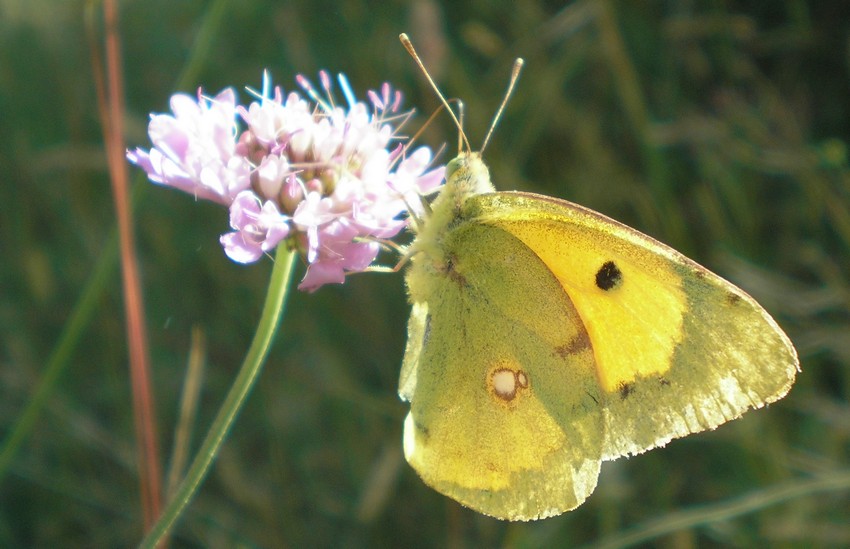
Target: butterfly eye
<point>453,166</point>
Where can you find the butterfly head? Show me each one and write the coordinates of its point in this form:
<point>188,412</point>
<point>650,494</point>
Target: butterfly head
<point>467,175</point>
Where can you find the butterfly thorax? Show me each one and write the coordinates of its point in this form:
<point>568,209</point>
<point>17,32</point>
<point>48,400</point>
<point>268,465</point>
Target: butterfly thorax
<point>466,176</point>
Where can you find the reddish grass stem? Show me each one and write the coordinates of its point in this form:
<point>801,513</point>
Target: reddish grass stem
<point>111,106</point>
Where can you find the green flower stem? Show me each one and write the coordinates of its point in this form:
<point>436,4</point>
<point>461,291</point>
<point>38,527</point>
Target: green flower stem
<point>248,374</point>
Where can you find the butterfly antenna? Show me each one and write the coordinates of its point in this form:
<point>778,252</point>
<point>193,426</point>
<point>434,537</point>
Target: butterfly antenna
<point>408,45</point>
<point>460,113</point>
<point>514,77</point>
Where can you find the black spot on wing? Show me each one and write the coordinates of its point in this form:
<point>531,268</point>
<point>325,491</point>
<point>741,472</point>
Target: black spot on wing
<point>608,276</point>
<point>626,389</point>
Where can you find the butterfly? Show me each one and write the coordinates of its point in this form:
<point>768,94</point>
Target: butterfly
<point>545,338</point>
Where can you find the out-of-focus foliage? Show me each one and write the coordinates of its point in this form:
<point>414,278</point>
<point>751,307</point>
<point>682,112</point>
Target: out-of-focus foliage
<point>720,128</point>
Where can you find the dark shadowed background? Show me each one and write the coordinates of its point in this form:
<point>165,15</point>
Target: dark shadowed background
<point>720,128</point>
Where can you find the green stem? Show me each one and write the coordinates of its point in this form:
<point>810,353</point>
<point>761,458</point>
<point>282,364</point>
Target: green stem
<point>248,373</point>
<point>60,357</point>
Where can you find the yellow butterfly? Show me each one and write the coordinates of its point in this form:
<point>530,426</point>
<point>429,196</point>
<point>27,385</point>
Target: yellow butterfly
<point>546,337</point>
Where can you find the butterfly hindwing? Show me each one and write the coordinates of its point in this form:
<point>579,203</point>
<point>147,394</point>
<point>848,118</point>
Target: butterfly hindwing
<point>504,401</point>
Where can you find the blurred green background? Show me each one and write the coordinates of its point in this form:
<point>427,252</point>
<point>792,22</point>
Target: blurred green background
<point>718,127</point>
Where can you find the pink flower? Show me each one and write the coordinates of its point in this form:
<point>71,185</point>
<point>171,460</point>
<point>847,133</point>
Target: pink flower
<point>337,254</point>
<point>270,175</point>
<point>259,228</point>
<point>329,180</point>
<point>195,149</point>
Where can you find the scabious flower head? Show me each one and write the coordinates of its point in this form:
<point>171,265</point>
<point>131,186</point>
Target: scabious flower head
<point>332,181</point>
